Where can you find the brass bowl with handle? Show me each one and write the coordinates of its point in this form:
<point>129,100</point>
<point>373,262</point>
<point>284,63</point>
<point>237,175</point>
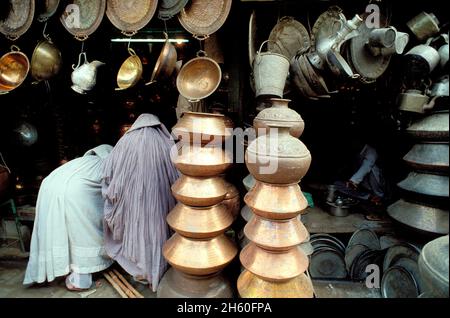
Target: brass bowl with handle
<point>130,72</point>
<point>14,68</point>
<point>166,63</point>
<point>46,61</point>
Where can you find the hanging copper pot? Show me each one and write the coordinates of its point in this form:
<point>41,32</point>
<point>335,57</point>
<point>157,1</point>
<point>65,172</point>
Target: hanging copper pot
<point>201,161</point>
<point>280,113</point>
<point>199,257</point>
<point>433,128</point>
<point>232,200</point>
<point>276,235</point>
<point>166,63</point>
<point>199,192</point>
<point>278,158</point>
<point>275,201</point>
<point>200,222</point>
<point>274,266</point>
<point>14,68</point>
<point>429,157</point>
<point>251,286</point>
<point>130,71</point>
<point>176,284</point>
<point>203,128</point>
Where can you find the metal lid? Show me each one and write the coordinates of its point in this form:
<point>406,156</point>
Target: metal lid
<point>170,8</point>
<point>326,25</point>
<point>83,17</point>
<point>130,16</point>
<point>19,19</point>
<point>397,282</point>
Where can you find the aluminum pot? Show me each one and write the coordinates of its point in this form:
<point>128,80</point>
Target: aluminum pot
<point>14,68</point>
<point>424,25</point>
<point>426,53</point>
<point>199,192</point>
<point>46,61</point>
<point>429,157</point>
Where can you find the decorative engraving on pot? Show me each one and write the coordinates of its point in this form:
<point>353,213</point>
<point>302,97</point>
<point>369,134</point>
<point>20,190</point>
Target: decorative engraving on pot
<point>199,192</point>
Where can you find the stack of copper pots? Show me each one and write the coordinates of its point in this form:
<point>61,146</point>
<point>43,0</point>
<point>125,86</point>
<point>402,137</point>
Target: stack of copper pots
<point>274,263</point>
<point>423,207</point>
<point>200,250</point>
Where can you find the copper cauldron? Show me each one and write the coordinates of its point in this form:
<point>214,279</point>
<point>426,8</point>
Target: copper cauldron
<point>276,202</point>
<point>200,223</point>
<point>199,192</point>
<point>14,68</point>
<point>199,257</point>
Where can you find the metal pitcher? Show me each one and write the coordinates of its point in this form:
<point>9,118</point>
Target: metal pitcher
<point>84,76</point>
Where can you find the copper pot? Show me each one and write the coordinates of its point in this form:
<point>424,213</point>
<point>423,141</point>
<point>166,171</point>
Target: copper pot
<point>251,286</point>
<point>278,158</point>
<point>279,113</point>
<point>199,257</point>
<point>276,235</point>
<point>274,266</point>
<point>198,161</point>
<point>276,202</point>
<point>176,284</point>
<point>195,222</point>
<point>203,128</point>
<point>199,192</point>
<point>14,68</point>
<point>232,200</point>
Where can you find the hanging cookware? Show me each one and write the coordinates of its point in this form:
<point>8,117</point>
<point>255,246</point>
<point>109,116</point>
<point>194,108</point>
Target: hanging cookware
<point>433,267</point>
<point>413,101</point>
<point>289,37</point>
<point>49,9</point>
<point>251,286</point>
<point>166,63</point>
<point>84,76</point>
<point>14,68</point>
<point>129,16</point>
<point>299,79</point>
<point>432,128</point>
<point>170,8</point>
<point>429,157</point>
<point>315,81</point>
<point>81,18</point>
<point>270,71</point>
<point>199,192</point>
<point>130,72</point>
<point>326,25</point>
<point>203,18</point>
<point>199,257</point>
<point>199,78</point>
<point>426,185</point>
<point>19,19</point>
<point>46,61</point>
<point>423,219</point>
<point>424,25</point>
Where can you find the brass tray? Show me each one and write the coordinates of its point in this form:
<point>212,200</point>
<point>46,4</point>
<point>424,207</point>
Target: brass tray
<point>49,9</point>
<point>203,18</point>
<point>170,8</point>
<point>19,19</point>
<point>90,16</point>
<point>130,16</point>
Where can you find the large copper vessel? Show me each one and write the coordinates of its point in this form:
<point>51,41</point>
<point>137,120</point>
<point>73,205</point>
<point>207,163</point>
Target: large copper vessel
<point>277,202</point>
<point>251,286</point>
<point>200,191</point>
<point>278,158</point>
<point>197,222</point>
<point>279,113</point>
<point>199,257</point>
<point>232,200</point>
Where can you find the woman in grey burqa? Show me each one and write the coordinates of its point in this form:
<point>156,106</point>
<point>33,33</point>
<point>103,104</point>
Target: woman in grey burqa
<point>137,180</point>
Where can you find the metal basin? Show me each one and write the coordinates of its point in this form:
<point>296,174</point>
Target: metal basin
<point>46,61</point>
<point>14,68</point>
<point>429,157</point>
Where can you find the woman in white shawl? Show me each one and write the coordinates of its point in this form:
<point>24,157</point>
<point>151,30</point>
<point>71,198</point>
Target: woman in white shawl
<point>137,184</point>
<point>68,230</point>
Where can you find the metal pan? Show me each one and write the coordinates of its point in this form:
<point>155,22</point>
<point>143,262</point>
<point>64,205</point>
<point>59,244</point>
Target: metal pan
<point>19,19</point>
<point>429,157</point>
<point>14,68</point>
<point>130,16</point>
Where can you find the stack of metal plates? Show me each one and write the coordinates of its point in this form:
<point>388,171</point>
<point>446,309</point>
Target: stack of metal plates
<point>328,258</point>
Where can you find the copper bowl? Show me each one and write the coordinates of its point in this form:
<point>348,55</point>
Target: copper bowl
<point>276,202</point>
<point>195,222</point>
<point>14,68</point>
<point>278,157</point>
<point>272,265</point>
<point>232,200</point>
<point>130,72</point>
<point>202,128</point>
<point>276,235</point>
<point>199,257</point>
<point>251,286</point>
<point>198,161</point>
<point>199,192</point>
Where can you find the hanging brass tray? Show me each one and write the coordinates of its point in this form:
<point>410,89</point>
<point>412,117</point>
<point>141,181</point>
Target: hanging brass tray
<point>130,16</point>
<point>170,8</point>
<point>49,9</point>
<point>203,18</point>
<point>19,19</point>
<point>83,17</point>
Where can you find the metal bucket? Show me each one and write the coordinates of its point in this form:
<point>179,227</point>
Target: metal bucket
<point>270,72</point>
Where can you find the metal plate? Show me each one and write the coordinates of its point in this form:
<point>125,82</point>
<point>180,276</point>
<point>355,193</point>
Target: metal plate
<point>50,7</point>
<point>353,253</point>
<point>327,263</point>
<point>323,242</point>
<point>288,38</point>
<point>91,14</point>
<point>300,81</point>
<point>397,282</point>
<point>413,268</point>
<point>203,18</point>
<point>433,128</point>
<point>130,16</point>
<point>365,237</point>
<point>170,8</point>
<point>362,261</point>
<point>368,66</point>
<point>429,157</point>
<point>399,251</point>
<point>328,24</point>
<point>328,236</point>
<point>424,219</point>
<point>426,184</point>
<point>19,19</point>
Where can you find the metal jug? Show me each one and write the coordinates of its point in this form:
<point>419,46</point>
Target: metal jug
<point>84,76</point>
